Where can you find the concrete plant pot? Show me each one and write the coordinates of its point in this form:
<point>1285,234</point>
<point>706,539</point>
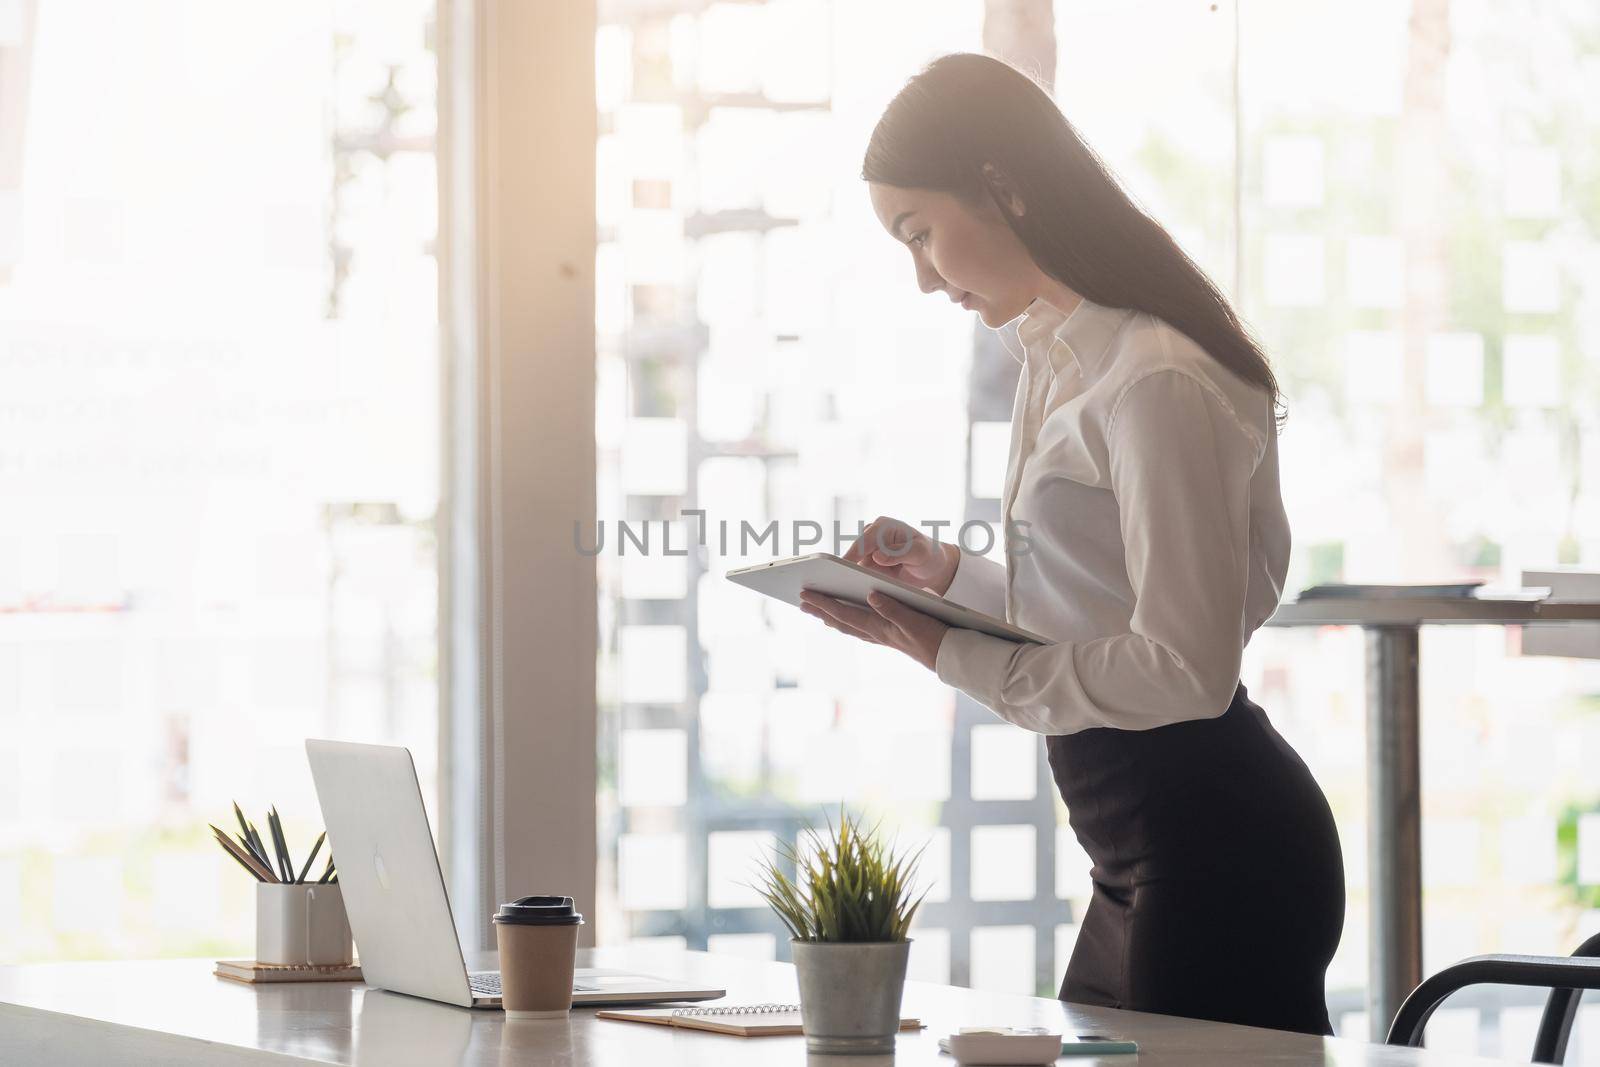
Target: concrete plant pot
<point>850,994</point>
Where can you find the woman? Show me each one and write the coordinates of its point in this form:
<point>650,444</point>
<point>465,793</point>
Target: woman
<point>1145,536</point>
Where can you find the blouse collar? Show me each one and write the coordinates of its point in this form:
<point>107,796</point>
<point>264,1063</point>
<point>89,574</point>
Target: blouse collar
<point>1067,340</point>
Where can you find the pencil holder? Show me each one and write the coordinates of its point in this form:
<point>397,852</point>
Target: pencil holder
<point>300,923</point>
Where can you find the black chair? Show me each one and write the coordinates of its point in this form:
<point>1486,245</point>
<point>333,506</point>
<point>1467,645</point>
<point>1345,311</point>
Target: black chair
<point>1567,977</point>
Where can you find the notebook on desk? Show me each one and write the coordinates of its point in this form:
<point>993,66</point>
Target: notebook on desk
<point>740,1020</point>
<point>252,972</point>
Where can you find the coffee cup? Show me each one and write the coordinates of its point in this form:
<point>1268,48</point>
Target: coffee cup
<point>538,939</point>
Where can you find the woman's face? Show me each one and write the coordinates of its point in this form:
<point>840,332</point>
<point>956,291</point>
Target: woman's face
<point>968,253</point>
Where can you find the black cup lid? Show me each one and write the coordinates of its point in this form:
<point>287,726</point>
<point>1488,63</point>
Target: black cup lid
<point>539,911</point>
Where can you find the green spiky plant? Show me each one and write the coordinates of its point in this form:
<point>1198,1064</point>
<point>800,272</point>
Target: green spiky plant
<point>850,888</point>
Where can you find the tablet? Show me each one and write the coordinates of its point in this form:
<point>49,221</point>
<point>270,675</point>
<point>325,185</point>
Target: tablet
<point>827,573</point>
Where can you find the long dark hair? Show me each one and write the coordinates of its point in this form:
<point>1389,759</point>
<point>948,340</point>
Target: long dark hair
<point>967,110</point>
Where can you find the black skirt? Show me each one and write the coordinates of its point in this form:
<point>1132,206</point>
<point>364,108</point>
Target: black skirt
<point>1218,880</point>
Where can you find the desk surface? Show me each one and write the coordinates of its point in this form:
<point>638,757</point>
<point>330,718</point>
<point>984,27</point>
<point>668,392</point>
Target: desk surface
<point>175,1011</point>
<point>1416,611</point>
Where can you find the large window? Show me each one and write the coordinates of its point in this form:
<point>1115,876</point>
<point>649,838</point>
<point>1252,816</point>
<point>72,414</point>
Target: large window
<point>218,444</point>
<point>1420,250</point>
<point>1400,198</point>
<point>763,357</point>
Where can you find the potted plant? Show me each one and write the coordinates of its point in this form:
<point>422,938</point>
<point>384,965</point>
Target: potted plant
<point>847,909</point>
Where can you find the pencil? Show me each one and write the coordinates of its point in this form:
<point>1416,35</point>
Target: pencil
<point>280,845</point>
<point>245,860</point>
<point>314,849</point>
<point>236,857</point>
<point>250,850</point>
<point>259,846</point>
<point>251,841</point>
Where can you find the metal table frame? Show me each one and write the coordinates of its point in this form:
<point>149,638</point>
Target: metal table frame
<point>1394,767</point>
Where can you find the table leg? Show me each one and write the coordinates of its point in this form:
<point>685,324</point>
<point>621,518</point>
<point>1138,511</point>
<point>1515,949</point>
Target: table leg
<point>1394,824</point>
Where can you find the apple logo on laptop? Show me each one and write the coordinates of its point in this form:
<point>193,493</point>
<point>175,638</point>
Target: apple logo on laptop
<point>383,872</point>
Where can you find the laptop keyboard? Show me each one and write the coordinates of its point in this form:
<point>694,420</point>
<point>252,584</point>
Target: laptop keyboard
<point>487,984</point>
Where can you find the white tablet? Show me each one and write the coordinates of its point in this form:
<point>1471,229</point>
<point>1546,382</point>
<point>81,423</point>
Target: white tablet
<point>826,573</point>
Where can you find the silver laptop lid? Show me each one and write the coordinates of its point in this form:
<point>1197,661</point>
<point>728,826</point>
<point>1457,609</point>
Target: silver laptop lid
<point>388,870</point>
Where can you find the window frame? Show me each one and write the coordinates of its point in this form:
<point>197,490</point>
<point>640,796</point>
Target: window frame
<point>518,602</point>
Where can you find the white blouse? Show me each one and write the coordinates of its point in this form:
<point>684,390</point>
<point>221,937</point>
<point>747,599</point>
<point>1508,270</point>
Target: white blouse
<point>1150,538</point>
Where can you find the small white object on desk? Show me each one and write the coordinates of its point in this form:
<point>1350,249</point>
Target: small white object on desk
<point>983,1046</point>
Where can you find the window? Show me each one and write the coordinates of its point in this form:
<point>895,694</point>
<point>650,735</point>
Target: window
<point>752,318</point>
<point>218,445</point>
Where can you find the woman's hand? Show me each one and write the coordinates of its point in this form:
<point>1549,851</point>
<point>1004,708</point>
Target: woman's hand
<point>884,621</point>
<point>892,547</point>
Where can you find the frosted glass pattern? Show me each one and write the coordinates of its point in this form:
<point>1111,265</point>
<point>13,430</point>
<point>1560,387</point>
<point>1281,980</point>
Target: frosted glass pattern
<point>733,859</point>
<point>1072,867</point>
<point>1294,265</point>
<point>655,672</point>
<point>1003,862</point>
<point>1004,763</point>
<point>654,767</point>
<point>1002,959</point>
<point>930,955</point>
<point>652,870</point>
<point>1455,369</point>
<point>1292,170</point>
<point>1533,371</point>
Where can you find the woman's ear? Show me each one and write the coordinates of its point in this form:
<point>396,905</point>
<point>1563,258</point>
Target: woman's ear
<point>1004,193</point>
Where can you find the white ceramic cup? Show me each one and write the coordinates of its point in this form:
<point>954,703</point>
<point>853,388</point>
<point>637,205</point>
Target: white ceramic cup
<point>301,924</point>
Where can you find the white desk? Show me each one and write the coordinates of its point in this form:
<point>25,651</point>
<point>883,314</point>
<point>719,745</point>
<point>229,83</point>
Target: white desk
<point>1394,765</point>
<point>175,1012</point>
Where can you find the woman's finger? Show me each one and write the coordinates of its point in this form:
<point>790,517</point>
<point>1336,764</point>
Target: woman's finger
<point>834,624</point>
<point>889,609</point>
<point>860,618</point>
<point>915,624</point>
<point>858,548</point>
<point>891,543</point>
<point>916,634</point>
<point>866,542</point>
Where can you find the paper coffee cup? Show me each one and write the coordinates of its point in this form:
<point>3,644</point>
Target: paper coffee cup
<point>538,939</point>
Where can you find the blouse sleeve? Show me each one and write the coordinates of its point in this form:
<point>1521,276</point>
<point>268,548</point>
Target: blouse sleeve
<point>980,584</point>
<point>1180,467</point>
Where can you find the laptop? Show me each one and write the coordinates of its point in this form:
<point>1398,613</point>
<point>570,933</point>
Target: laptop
<point>395,896</point>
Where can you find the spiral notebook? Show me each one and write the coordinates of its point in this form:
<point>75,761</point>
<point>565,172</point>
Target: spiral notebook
<point>740,1020</point>
<point>252,972</point>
